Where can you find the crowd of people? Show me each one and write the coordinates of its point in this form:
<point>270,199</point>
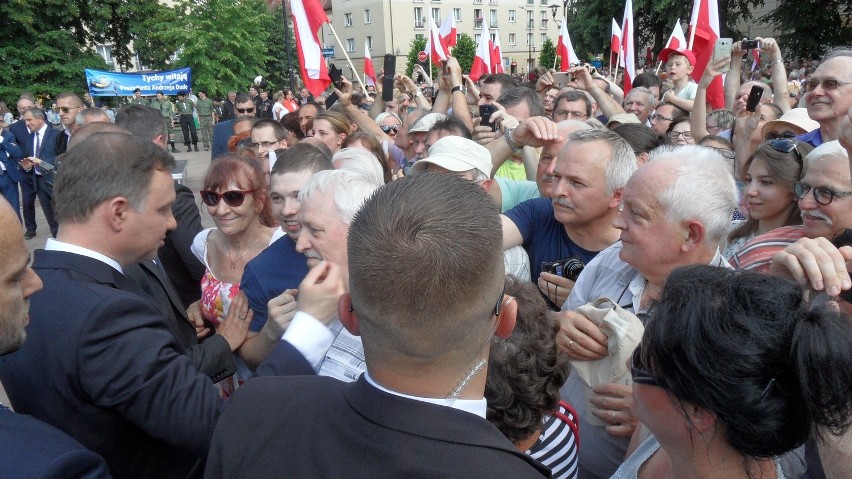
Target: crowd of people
<point>540,277</point>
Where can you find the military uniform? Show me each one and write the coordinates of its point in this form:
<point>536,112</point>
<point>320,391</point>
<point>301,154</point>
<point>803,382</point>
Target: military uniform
<point>185,107</point>
<point>140,101</point>
<point>167,110</point>
<point>204,107</point>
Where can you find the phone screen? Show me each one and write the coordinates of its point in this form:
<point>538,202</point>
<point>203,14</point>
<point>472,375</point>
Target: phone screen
<point>753,98</point>
<point>485,112</point>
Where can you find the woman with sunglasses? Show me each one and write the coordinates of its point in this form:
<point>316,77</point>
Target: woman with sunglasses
<point>771,172</point>
<point>734,373</point>
<point>389,123</point>
<point>331,128</point>
<point>236,198</point>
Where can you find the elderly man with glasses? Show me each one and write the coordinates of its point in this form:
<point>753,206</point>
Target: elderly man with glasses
<point>829,96</point>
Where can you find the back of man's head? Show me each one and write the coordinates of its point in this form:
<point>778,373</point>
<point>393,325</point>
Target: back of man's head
<point>142,121</point>
<point>92,115</point>
<point>89,129</point>
<point>440,235</point>
<point>302,157</point>
<point>104,166</point>
<point>359,161</point>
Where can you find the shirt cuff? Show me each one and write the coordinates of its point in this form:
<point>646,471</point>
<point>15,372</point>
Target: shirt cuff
<point>309,336</point>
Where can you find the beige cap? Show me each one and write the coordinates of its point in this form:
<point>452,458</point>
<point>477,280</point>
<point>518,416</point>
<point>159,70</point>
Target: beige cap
<point>622,118</point>
<point>456,153</point>
<point>796,120</point>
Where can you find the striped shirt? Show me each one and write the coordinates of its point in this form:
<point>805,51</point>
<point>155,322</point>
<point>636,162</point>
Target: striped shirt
<point>557,446</point>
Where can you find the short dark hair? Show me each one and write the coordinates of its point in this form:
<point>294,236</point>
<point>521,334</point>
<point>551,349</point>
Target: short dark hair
<point>514,96</point>
<point>243,98</point>
<point>641,138</point>
<point>141,120</point>
<point>301,157</point>
<point>106,165</point>
<point>647,80</point>
<point>68,94</point>
<point>452,125</point>
<point>525,371</point>
<point>574,95</point>
<point>280,131</point>
<point>442,233</point>
<point>749,348</point>
<point>290,121</point>
<point>506,81</point>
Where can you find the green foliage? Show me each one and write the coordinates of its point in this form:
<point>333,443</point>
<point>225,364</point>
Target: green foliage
<point>417,46</point>
<point>548,54</point>
<point>464,51</point>
<point>809,30</point>
<point>276,66</point>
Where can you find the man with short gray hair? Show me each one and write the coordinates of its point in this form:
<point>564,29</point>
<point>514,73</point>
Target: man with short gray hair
<point>675,211</point>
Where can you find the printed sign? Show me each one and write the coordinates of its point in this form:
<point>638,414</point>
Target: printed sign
<point>106,83</point>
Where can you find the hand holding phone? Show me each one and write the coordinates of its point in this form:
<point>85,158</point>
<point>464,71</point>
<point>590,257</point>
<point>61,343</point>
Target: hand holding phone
<point>387,79</point>
<point>485,112</point>
<point>753,98</point>
<point>721,50</point>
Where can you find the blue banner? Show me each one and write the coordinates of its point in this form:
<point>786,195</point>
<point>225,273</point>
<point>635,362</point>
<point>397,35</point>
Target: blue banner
<point>105,83</point>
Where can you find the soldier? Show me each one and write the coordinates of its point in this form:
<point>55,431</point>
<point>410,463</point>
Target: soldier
<point>204,107</point>
<point>185,107</point>
<point>137,98</point>
<point>167,109</point>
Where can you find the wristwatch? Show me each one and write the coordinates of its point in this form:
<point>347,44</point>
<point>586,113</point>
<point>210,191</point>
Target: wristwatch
<point>458,88</point>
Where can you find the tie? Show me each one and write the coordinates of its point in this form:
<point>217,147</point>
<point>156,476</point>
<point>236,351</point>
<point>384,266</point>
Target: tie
<point>36,152</point>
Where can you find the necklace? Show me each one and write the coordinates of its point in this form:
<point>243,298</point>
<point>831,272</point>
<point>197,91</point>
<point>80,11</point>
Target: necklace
<point>237,258</point>
<point>465,381</point>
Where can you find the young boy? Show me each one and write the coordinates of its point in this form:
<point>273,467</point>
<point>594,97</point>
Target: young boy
<point>679,63</point>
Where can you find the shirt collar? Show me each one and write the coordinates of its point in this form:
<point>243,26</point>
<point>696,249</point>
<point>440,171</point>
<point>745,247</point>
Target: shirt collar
<point>56,245</point>
<point>473,406</point>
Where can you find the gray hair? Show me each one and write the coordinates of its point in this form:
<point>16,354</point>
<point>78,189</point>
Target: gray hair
<point>359,161</point>
<point>622,161</point>
<point>830,150</point>
<point>641,90</point>
<point>703,188</point>
<point>381,117</point>
<point>36,112</point>
<point>350,190</point>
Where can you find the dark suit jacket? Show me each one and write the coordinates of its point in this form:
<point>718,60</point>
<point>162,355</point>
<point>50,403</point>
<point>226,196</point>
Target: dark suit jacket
<point>182,267</point>
<point>47,154</point>
<point>213,357</point>
<point>221,133</point>
<point>32,449</point>
<point>101,364</point>
<point>324,428</point>
<point>10,155</point>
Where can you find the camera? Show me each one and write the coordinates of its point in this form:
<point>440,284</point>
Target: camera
<point>569,268</point>
<point>750,44</point>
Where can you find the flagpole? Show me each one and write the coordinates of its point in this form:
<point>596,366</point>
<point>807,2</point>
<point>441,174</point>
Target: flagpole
<point>691,36</point>
<point>348,60</point>
<point>660,65</point>
<point>617,64</point>
<point>557,45</point>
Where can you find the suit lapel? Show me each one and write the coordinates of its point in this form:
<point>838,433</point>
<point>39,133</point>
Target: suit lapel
<point>167,286</point>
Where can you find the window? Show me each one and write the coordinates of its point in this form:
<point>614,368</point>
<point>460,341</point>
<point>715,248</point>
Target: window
<point>530,2</point>
<point>492,18</point>
<point>477,18</point>
<point>347,19</point>
<point>350,44</point>
<point>368,16</point>
<point>543,2</point>
<point>544,23</point>
<point>530,20</point>
<point>436,15</point>
<point>106,52</point>
<point>369,42</point>
<point>418,17</point>
<point>492,2</point>
<point>529,38</point>
<point>475,2</point>
<point>543,38</point>
<point>476,38</point>
<point>512,16</point>
<point>511,39</point>
<point>457,14</point>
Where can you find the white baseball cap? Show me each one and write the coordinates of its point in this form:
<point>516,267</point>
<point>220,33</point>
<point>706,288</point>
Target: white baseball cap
<point>456,153</point>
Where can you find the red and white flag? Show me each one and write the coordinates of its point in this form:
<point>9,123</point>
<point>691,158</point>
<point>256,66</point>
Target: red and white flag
<point>677,40</point>
<point>755,54</point>
<point>615,42</point>
<point>482,61</point>
<point>496,54</point>
<point>369,71</point>
<point>449,33</point>
<point>628,52</point>
<point>434,47</point>
<point>565,49</point>
<point>704,27</point>
<point>308,17</point>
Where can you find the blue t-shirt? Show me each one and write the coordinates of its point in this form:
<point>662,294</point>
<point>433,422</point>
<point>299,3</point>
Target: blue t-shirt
<point>813,138</point>
<point>275,269</point>
<point>545,238</point>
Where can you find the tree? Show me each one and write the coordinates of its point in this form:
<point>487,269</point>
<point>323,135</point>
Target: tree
<point>548,54</point>
<point>418,44</point>
<point>464,51</point>
<point>276,67</point>
<point>809,35</point>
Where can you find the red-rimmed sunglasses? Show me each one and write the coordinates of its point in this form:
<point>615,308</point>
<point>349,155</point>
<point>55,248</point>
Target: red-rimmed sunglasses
<point>232,198</point>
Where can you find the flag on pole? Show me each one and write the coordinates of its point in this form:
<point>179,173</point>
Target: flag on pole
<point>565,49</point>
<point>704,31</point>
<point>496,54</point>
<point>482,61</point>
<point>677,40</point>
<point>628,54</point>
<point>369,71</point>
<point>755,54</point>
<point>448,32</point>
<point>615,43</point>
<point>434,47</point>
<point>308,17</point>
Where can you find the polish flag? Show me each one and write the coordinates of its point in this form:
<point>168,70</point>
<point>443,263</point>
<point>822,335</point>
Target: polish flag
<point>565,49</point>
<point>369,71</point>
<point>482,61</point>
<point>628,53</point>
<point>615,42</point>
<point>755,64</point>
<point>496,54</point>
<point>434,47</point>
<point>449,32</point>
<point>704,31</point>
<point>677,39</point>
<point>308,17</point>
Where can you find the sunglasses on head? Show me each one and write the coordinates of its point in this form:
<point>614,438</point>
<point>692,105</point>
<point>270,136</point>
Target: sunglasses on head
<point>786,145</point>
<point>232,198</point>
<point>391,128</point>
<point>245,110</point>
<point>639,373</point>
<point>774,136</point>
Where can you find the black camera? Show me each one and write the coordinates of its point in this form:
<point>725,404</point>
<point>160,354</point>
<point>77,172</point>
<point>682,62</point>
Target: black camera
<point>569,268</point>
<point>750,44</point>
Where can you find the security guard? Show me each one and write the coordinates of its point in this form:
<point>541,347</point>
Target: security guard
<point>185,107</point>
<point>167,109</point>
<point>204,107</point>
<point>137,98</point>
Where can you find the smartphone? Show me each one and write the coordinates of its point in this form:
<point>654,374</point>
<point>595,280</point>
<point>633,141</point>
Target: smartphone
<point>562,78</point>
<point>336,77</point>
<point>485,112</point>
<point>723,50</point>
<point>753,98</point>
<point>750,44</point>
<point>387,80</point>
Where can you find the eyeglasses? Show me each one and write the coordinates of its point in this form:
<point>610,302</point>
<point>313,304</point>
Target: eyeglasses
<point>656,117</point>
<point>726,153</point>
<point>265,144</point>
<point>774,136</point>
<point>232,198</point>
<point>674,135</point>
<point>822,194</point>
<point>65,109</point>
<point>641,375</point>
<point>827,84</point>
<point>787,145</point>
<point>245,110</point>
<point>390,128</point>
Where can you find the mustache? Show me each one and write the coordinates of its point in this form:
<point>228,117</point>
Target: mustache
<point>563,202</point>
<point>817,214</point>
<point>311,254</point>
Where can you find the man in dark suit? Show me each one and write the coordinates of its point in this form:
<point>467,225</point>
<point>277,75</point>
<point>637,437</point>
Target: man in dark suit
<point>244,106</point>
<point>22,137</point>
<point>29,447</point>
<point>10,172</point>
<point>419,409</point>
<point>39,165</point>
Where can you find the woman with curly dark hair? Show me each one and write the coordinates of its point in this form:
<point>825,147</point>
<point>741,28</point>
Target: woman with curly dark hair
<point>525,372</point>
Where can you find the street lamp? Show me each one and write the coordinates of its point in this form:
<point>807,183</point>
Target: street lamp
<point>569,7</point>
